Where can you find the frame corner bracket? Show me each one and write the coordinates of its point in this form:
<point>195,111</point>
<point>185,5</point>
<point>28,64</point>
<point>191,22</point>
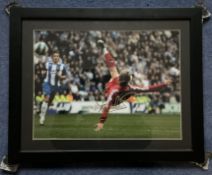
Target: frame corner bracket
<point>5,166</point>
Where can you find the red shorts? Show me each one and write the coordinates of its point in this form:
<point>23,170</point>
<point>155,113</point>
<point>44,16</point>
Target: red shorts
<point>113,84</point>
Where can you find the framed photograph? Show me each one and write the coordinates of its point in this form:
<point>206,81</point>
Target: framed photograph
<point>105,85</point>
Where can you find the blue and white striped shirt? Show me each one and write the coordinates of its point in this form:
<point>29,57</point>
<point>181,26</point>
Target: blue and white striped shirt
<point>53,70</point>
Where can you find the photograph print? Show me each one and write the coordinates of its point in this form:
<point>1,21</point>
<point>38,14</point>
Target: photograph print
<point>107,84</point>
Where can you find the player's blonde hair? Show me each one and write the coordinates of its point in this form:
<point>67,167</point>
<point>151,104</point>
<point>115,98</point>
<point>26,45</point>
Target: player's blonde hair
<point>124,77</point>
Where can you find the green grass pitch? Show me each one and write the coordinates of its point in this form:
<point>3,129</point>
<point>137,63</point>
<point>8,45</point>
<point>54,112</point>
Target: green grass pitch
<point>76,126</point>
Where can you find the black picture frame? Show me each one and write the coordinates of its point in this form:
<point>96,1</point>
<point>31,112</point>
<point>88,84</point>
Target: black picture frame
<point>111,152</point>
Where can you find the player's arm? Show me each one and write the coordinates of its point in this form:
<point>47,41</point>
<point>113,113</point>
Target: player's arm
<point>151,88</point>
<point>104,114</point>
<point>103,117</point>
<point>105,111</point>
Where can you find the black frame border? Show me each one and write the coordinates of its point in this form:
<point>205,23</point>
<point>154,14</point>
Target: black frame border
<point>14,136</point>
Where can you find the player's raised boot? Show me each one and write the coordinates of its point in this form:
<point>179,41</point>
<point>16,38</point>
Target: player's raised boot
<point>100,44</point>
<point>99,126</point>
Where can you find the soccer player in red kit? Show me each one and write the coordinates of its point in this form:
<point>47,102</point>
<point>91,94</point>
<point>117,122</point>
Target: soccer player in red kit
<point>118,88</point>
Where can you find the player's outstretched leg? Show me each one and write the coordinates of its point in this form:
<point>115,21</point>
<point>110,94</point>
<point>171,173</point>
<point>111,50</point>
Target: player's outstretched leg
<point>109,60</point>
<point>44,108</point>
<point>45,105</point>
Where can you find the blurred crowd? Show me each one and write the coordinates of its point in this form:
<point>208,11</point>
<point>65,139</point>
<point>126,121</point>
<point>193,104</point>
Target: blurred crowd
<point>151,57</point>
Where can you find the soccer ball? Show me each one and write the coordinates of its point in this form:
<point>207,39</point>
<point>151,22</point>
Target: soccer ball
<point>41,48</point>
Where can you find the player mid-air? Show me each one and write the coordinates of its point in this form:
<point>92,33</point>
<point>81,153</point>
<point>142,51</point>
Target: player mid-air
<point>55,72</point>
<point>118,89</point>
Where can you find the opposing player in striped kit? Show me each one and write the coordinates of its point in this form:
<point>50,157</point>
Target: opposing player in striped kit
<point>118,89</point>
<point>55,72</point>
